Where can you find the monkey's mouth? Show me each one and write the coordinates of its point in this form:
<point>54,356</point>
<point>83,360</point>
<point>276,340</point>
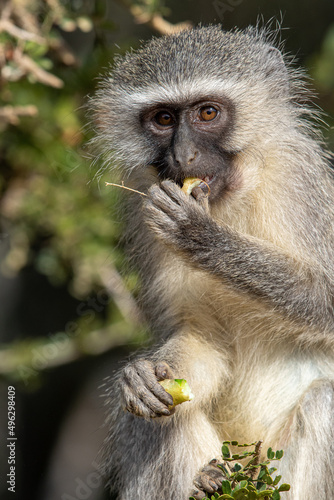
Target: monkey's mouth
<point>207,182</point>
<point>204,188</point>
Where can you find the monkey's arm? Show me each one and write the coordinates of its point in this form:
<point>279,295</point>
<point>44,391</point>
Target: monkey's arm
<point>298,290</point>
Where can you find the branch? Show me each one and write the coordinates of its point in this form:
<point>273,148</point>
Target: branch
<point>154,20</point>
<point>16,32</point>
<point>25,359</point>
<point>159,24</point>
<point>114,284</point>
<point>11,114</point>
<point>29,66</point>
<point>253,471</point>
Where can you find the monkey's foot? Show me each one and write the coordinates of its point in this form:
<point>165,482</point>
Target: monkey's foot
<point>209,480</point>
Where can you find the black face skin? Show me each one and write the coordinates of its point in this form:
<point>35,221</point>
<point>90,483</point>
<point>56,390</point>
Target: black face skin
<point>190,143</point>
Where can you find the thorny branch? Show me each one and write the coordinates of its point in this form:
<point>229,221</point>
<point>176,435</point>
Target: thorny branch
<point>22,24</point>
<point>143,15</point>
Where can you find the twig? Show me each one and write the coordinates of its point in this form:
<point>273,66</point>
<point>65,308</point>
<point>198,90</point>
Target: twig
<point>15,31</point>
<point>114,284</point>
<point>256,460</point>
<point>125,187</point>
<point>25,359</point>
<point>159,24</point>
<point>154,20</point>
<point>11,114</point>
<point>29,66</point>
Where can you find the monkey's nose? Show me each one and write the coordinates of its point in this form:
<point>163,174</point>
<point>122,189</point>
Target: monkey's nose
<point>186,158</point>
<point>192,158</point>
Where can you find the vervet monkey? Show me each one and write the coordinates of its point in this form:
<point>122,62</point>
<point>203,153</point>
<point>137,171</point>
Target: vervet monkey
<point>239,287</point>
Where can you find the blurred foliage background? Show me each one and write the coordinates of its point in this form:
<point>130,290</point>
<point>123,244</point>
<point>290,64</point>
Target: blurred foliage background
<point>67,315</point>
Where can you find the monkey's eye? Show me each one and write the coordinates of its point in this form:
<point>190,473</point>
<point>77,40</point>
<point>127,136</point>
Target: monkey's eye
<point>208,113</point>
<point>164,118</point>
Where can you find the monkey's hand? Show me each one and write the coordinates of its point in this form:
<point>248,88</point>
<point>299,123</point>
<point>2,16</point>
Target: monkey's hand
<point>209,480</point>
<point>178,219</point>
<point>142,394</point>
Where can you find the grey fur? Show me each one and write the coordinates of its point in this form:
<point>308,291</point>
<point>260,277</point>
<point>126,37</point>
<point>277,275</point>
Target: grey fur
<point>241,294</point>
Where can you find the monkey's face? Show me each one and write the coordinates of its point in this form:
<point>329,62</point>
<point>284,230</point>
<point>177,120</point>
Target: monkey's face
<point>201,103</point>
<point>189,142</point>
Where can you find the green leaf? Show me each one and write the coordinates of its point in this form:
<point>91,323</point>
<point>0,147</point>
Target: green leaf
<point>265,493</point>
<point>226,451</point>
<point>241,494</point>
<point>240,485</point>
<point>277,480</point>
<point>262,473</point>
<point>223,468</point>
<point>235,443</point>
<point>240,477</point>
<point>270,454</point>
<point>226,487</point>
<point>237,467</point>
<point>284,487</point>
<point>279,454</point>
<point>276,495</point>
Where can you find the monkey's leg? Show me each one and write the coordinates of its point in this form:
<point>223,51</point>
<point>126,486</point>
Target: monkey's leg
<point>308,462</point>
<point>159,458</point>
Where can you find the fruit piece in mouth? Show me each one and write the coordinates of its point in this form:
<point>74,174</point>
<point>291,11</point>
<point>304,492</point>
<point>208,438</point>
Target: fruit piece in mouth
<point>197,187</point>
<point>190,183</point>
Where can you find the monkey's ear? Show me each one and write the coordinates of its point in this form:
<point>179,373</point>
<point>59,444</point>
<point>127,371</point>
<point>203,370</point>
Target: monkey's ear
<point>276,70</point>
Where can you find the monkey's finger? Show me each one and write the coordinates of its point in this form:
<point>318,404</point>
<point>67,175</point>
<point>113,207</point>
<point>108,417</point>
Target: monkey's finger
<point>141,375</point>
<point>198,495</point>
<point>160,222</point>
<point>143,403</point>
<point>205,482</point>
<point>141,379</point>
<point>215,473</point>
<point>166,203</point>
<point>175,192</point>
<point>159,392</point>
<point>158,212</point>
<point>138,408</point>
<point>163,371</point>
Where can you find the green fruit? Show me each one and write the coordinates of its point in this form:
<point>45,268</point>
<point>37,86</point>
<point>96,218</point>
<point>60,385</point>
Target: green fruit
<point>179,389</point>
